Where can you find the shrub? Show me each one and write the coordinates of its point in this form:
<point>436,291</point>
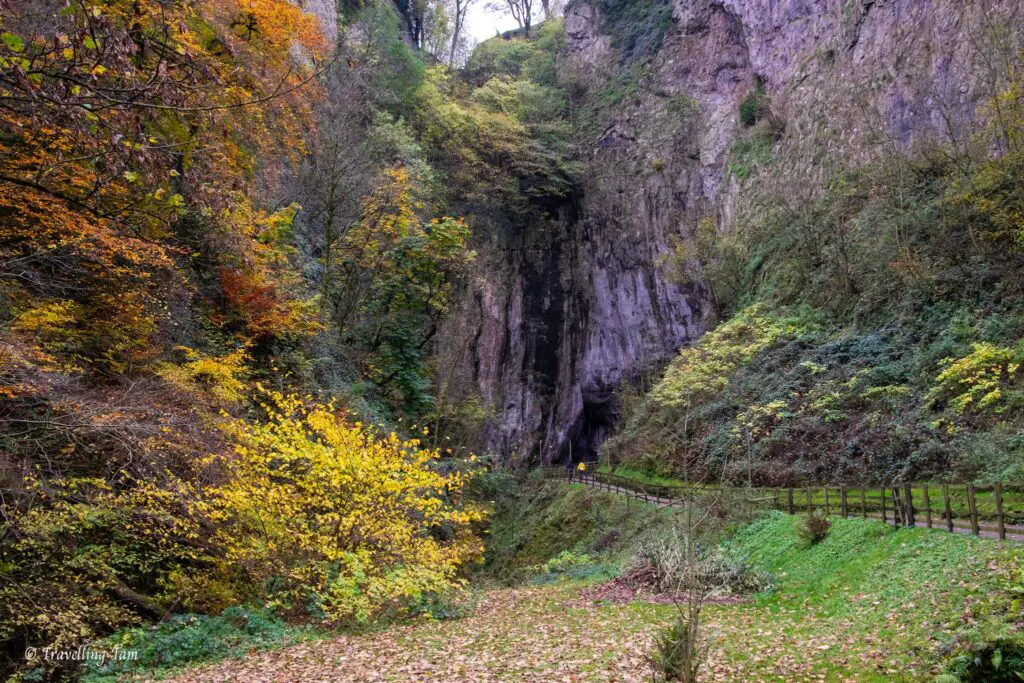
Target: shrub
<point>192,638</point>
<point>703,370</point>
<point>993,661</point>
<point>571,566</point>
<point>324,513</point>
<point>678,654</point>
<point>756,108</point>
<point>221,378</point>
<point>82,562</point>
<point>451,605</point>
<point>665,567</point>
<point>814,529</point>
<point>981,381</point>
<point>749,110</point>
<point>564,561</point>
<point>499,56</point>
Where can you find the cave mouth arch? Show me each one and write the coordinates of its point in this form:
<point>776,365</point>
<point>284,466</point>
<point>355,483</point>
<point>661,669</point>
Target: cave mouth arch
<point>592,427</point>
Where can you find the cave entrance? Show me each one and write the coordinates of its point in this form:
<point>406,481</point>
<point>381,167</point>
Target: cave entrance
<point>592,428</point>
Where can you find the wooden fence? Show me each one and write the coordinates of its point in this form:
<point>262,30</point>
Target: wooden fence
<point>995,509</point>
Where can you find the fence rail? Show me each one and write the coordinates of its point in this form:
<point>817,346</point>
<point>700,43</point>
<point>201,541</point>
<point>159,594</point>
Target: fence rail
<point>995,509</point>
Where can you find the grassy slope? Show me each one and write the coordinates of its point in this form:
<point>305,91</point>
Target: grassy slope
<point>868,603</point>
<point>535,522</point>
<point>878,601</point>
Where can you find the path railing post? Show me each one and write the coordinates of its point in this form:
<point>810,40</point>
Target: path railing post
<point>842,501</point>
<point>863,502</point>
<point>882,494</point>
<point>908,499</point>
<point>927,507</point>
<point>789,500</point>
<point>810,501</point>
<point>948,508</point>
<point>972,506</point>
<point>997,491</point>
<point>827,511</point>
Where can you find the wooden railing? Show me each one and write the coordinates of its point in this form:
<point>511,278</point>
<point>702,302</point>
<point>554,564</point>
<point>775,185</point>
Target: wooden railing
<point>995,509</point>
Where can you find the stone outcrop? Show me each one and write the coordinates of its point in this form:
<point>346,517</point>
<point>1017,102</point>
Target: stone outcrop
<point>564,312</point>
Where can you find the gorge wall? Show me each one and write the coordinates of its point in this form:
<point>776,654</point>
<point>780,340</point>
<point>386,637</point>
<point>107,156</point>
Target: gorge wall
<point>559,314</point>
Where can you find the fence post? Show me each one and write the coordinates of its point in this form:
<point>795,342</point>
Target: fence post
<point>973,507</point>
<point>949,509</point>
<point>842,500</point>
<point>826,502</point>
<point>810,501</point>
<point>863,502</point>
<point>882,491</point>
<point>789,500</point>
<point>908,495</point>
<point>1001,524</point>
<point>775,499</point>
<point>927,507</point>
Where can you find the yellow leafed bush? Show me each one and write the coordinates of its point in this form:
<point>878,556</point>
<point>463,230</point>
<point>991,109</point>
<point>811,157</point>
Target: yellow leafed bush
<point>982,380</point>
<point>220,377</point>
<point>327,514</point>
<point>704,369</point>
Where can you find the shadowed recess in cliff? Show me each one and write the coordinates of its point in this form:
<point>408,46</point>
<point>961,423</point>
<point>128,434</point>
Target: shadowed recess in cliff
<point>593,426</point>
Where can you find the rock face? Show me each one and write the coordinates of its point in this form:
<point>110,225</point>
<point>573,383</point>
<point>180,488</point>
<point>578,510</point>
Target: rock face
<point>564,312</point>
<point>326,11</point>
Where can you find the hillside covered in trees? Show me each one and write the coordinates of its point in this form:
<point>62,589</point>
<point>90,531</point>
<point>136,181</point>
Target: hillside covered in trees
<point>287,290</point>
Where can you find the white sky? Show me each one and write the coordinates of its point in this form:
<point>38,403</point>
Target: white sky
<point>482,24</point>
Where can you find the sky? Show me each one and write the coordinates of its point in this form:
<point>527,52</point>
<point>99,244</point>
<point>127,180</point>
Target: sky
<point>482,24</point>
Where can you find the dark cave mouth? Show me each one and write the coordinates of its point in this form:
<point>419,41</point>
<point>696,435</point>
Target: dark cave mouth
<point>591,429</point>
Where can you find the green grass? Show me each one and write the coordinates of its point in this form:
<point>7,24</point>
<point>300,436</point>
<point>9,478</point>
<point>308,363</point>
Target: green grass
<point>869,602</point>
<point>536,522</point>
<point>641,476</point>
<point>901,597</point>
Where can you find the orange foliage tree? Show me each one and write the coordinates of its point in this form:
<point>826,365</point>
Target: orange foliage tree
<point>133,136</point>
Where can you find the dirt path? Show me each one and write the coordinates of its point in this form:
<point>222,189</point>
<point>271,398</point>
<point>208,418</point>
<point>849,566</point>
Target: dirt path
<point>534,634</point>
<point>561,633</point>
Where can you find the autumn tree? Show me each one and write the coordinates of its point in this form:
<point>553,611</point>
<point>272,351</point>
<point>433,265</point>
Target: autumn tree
<point>395,277</point>
<point>133,138</point>
<point>321,510</point>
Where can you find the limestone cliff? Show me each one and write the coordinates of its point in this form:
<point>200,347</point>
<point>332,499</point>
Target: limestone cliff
<point>564,312</point>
